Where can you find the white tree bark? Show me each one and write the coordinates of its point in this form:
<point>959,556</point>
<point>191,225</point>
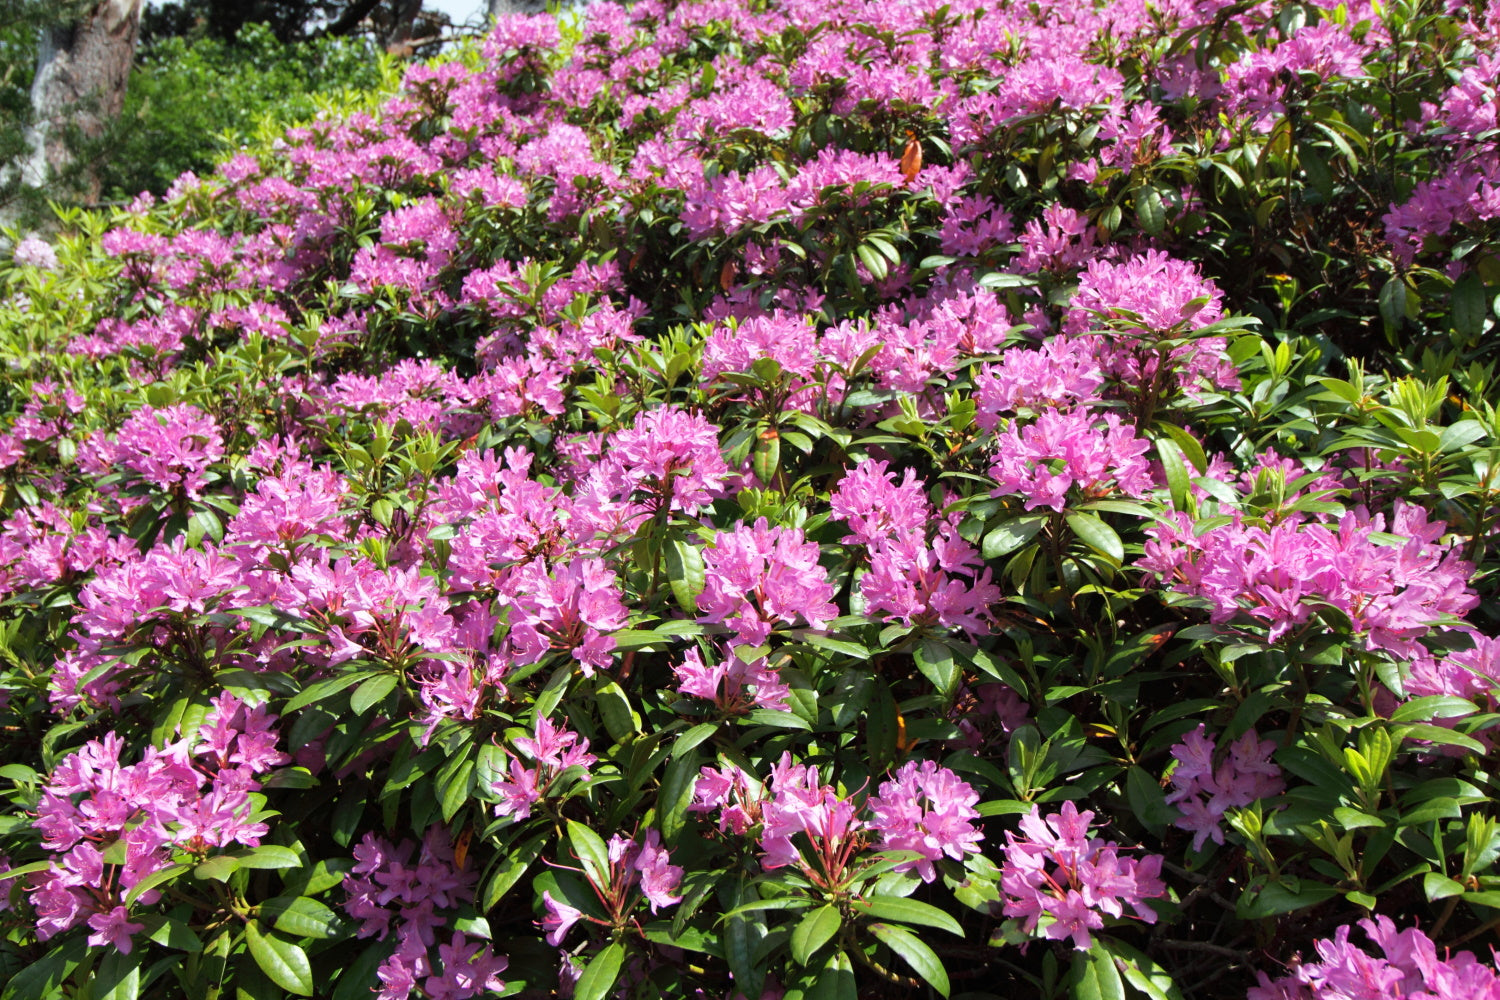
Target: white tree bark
<point>81,72</point>
<point>499,7</point>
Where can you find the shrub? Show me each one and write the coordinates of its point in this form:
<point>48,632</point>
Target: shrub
<point>771,500</point>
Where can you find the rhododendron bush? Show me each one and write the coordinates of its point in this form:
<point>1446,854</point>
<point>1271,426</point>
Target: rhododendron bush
<point>807,500</point>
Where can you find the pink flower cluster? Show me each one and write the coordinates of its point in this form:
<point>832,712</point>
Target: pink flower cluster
<point>388,890</point>
<point>734,684</point>
<point>558,759</point>
<point>1065,458</point>
<point>924,808</point>
<point>1407,966</point>
<point>1062,882</point>
<point>170,449</point>
<point>1203,791</point>
<point>194,795</point>
<point>637,869</point>
<point>1142,301</point>
<point>1282,573</point>
<point>913,578</point>
<point>757,575</point>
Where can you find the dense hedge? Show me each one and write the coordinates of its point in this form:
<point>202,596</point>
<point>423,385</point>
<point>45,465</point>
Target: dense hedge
<point>779,500</point>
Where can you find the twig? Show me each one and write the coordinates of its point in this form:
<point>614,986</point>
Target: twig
<point>1203,946</point>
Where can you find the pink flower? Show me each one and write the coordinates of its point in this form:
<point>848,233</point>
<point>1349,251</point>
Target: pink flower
<point>928,810</point>
<point>1056,871</point>
<point>658,878</point>
<point>558,918</point>
<point>668,459</point>
<point>734,685</point>
<point>757,575</point>
<point>1203,792</point>
<point>1065,458</point>
<point>1408,964</point>
<point>113,928</point>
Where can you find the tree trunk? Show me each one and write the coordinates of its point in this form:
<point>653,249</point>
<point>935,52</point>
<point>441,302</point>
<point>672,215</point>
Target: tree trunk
<point>81,71</point>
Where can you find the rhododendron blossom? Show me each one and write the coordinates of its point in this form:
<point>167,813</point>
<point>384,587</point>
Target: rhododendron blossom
<point>1203,791</point>
<point>1071,457</point>
<point>1062,882</point>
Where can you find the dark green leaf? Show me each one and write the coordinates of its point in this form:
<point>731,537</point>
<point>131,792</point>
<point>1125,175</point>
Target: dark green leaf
<point>685,573</point>
<point>1011,535</point>
<point>281,960</point>
<point>591,852</point>
<point>676,794</point>
<point>813,931</point>
<point>119,976</point>
<point>1149,211</point>
<point>507,870</point>
<point>300,916</point>
<point>915,953</point>
<point>907,911</point>
<point>1093,975</point>
<point>1097,535</point>
<point>371,693</point>
<point>599,978</point>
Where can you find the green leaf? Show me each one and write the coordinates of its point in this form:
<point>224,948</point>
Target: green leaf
<point>458,789</point>
<point>591,853</point>
<point>284,962</point>
<point>156,878</point>
<point>743,931</point>
<point>1469,308</point>
<point>880,727</point>
<point>300,916</point>
<point>813,932</point>
<point>1149,211</point>
<point>1097,535</point>
<point>26,869</point>
<point>1147,800</point>
<point>614,709</point>
<point>907,911</point>
<point>1440,887</point>
<point>599,978</point>
<point>1437,734</point>
<point>1011,535</point>
<point>766,458</point>
<point>269,856</point>
<point>685,573</point>
<point>692,738</point>
<point>1141,972</point>
<point>170,933</point>
<point>218,868</point>
<point>677,784</point>
<point>914,953</point>
<point>997,279</point>
<point>1434,706</point>
<point>43,977</point>
<point>936,662</point>
<point>1191,449</point>
<point>1175,466</point>
<point>371,693</point>
<point>118,976</point>
<point>507,870</point>
<point>552,693</point>
<point>1392,301</point>
<point>1277,898</point>
<point>874,262</point>
<point>777,719</point>
<point>1093,975</point>
<point>314,693</point>
<point>835,982</point>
